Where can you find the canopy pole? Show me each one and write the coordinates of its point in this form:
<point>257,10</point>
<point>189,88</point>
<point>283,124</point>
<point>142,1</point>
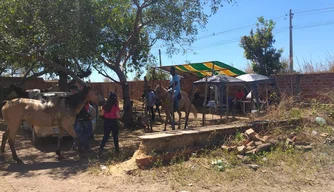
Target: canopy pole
<point>267,102</point>
<point>220,100</point>
<point>227,105</point>
<point>213,69</point>
<point>205,98</point>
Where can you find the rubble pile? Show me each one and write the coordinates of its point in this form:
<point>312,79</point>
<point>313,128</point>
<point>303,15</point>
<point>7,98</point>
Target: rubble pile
<point>255,144</point>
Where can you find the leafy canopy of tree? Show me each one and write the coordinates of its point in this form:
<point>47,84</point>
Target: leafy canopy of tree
<point>54,36</point>
<point>258,48</point>
<point>63,35</point>
<point>131,27</point>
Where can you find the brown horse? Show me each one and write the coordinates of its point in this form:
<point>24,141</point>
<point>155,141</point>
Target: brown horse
<point>57,112</point>
<point>166,98</point>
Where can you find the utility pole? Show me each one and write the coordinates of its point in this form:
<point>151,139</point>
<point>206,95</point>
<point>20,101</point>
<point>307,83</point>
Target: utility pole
<point>291,47</point>
<point>291,51</point>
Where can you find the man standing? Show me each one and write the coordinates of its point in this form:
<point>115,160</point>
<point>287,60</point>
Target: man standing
<point>151,102</point>
<point>175,80</point>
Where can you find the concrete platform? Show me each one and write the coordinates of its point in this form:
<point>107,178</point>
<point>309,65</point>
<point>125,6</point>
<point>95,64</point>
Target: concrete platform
<point>166,145</point>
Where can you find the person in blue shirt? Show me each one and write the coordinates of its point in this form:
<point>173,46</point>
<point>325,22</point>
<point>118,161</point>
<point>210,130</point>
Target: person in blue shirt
<point>175,80</point>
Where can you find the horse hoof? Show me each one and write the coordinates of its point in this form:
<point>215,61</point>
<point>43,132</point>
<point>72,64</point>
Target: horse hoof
<point>20,162</point>
<point>2,158</point>
<point>61,157</point>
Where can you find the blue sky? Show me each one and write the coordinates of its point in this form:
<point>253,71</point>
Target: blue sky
<point>312,34</point>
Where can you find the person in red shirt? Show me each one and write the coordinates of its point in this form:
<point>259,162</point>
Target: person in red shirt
<point>110,114</point>
<point>239,95</point>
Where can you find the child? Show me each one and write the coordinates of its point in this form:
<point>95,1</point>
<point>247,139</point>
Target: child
<point>110,115</point>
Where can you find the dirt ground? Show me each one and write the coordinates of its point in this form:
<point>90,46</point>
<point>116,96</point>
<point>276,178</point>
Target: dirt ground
<point>44,172</point>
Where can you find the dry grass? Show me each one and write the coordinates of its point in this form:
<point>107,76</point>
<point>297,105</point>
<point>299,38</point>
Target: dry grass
<point>311,66</point>
<point>283,166</point>
<point>281,169</point>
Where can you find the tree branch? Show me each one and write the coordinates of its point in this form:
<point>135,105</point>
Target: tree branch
<point>77,63</point>
<point>35,75</point>
<point>136,29</point>
<point>53,65</point>
<point>60,68</point>
<point>104,73</point>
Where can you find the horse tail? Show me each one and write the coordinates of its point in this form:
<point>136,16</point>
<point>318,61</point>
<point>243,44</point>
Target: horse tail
<point>193,110</point>
<point>1,105</point>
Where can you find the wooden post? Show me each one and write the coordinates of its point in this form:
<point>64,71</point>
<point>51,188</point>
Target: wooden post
<point>227,105</point>
<point>205,98</point>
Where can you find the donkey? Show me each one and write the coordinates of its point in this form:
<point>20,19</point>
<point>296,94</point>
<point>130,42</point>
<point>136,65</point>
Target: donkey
<point>57,112</point>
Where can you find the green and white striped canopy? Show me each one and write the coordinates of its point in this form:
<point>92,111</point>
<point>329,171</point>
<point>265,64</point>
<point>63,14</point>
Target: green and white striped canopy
<point>204,69</point>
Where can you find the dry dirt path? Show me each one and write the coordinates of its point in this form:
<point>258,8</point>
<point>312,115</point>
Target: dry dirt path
<point>42,171</point>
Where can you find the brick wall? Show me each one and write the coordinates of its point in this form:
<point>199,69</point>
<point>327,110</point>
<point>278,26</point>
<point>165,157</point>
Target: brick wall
<point>38,83</point>
<point>307,85</point>
<point>136,88</point>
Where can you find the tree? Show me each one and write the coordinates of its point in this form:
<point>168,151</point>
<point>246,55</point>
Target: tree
<point>56,36</point>
<point>131,27</point>
<point>258,48</point>
<point>152,73</point>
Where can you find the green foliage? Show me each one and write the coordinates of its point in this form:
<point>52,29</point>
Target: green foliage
<point>130,28</point>
<point>258,48</point>
<point>60,31</point>
<point>154,74</point>
<point>295,113</point>
<point>116,35</point>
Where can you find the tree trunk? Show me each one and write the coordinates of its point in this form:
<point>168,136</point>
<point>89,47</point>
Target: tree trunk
<point>62,82</point>
<point>127,107</point>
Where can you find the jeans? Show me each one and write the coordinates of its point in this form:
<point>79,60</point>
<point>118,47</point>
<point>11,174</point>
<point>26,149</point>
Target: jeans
<point>84,130</point>
<point>150,108</point>
<point>176,100</point>
<point>110,125</point>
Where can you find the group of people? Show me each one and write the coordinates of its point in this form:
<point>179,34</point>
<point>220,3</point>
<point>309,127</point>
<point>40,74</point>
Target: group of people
<point>153,101</point>
<point>86,118</point>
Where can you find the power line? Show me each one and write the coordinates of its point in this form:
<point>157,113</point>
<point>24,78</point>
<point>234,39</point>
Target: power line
<point>243,27</point>
<point>281,30</point>
<point>304,14</point>
<point>322,10</point>
<point>313,10</point>
<point>225,42</point>
<point>315,25</point>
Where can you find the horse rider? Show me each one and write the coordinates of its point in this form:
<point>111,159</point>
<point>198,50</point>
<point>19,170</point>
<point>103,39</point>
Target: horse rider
<point>175,80</point>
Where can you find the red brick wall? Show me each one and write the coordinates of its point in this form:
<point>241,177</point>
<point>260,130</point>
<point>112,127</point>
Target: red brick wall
<point>38,83</point>
<point>137,87</point>
<point>307,85</point>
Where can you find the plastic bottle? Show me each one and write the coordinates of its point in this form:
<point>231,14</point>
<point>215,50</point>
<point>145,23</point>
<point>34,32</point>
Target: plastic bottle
<point>321,121</point>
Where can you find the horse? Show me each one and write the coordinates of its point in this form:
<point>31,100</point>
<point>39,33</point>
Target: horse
<point>57,112</point>
<point>166,98</point>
